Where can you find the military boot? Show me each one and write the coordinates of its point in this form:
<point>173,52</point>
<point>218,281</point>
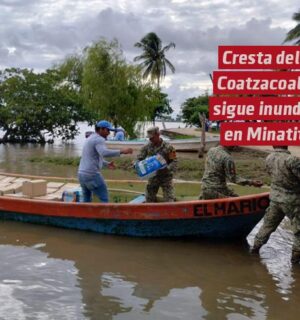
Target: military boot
<point>295,257</point>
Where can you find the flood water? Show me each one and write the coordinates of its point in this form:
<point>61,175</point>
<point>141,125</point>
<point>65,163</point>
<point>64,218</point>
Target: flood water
<point>15,158</point>
<point>53,273</point>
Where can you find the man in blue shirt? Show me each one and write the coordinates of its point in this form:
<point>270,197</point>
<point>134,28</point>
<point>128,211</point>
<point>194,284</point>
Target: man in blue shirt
<point>92,160</point>
<point>120,134</point>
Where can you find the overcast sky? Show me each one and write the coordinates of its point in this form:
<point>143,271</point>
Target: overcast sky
<point>38,33</point>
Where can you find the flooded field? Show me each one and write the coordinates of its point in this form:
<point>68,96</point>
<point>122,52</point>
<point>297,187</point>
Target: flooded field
<point>15,158</point>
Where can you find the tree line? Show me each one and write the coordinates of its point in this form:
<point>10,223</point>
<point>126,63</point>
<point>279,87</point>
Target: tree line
<point>95,84</point>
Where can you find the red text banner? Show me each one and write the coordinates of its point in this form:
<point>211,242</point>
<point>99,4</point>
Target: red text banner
<point>259,57</point>
<point>254,108</point>
<point>259,83</point>
<point>256,134</point>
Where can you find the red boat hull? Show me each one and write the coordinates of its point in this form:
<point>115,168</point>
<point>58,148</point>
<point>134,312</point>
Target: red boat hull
<point>231,217</point>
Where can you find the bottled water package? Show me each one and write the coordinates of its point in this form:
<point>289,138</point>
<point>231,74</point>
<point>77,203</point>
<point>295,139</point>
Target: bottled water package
<point>72,195</point>
<point>148,167</point>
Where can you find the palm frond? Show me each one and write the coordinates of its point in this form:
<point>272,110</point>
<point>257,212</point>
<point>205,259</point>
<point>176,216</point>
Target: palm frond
<point>170,45</point>
<point>139,45</point>
<point>148,71</point>
<point>154,63</point>
<point>296,16</point>
<point>293,34</point>
<point>141,57</point>
<point>170,65</point>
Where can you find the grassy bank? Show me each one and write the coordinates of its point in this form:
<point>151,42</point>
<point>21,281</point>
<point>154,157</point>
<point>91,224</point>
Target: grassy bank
<point>249,163</point>
<point>183,191</point>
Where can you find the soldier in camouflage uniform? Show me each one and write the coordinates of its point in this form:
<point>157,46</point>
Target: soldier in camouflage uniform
<point>163,177</point>
<point>284,170</point>
<point>219,167</point>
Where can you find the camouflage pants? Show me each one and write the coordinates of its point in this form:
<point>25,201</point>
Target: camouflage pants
<point>274,215</point>
<point>167,187</point>
<point>208,193</point>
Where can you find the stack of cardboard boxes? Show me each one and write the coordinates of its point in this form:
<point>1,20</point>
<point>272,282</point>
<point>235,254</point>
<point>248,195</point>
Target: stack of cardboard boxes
<point>37,189</point>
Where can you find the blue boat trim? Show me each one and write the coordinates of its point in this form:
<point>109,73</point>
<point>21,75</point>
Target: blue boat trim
<point>218,227</point>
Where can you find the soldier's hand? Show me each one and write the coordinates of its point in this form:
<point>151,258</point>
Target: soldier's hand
<point>257,183</point>
<point>126,151</point>
<point>133,164</point>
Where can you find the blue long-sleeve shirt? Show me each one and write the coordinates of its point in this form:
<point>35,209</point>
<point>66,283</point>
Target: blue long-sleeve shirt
<point>93,153</point>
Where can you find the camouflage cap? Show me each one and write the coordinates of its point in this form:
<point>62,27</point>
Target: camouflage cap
<point>151,132</point>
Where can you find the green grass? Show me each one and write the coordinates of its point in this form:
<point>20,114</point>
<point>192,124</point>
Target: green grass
<point>249,164</point>
<point>65,161</point>
<point>183,137</point>
<point>183,191</point>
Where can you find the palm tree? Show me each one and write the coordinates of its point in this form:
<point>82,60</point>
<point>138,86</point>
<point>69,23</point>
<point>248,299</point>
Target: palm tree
<point>294,34</point>
<point>154,62</point>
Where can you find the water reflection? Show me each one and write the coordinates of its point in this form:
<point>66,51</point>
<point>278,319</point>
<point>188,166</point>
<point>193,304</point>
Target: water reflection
<point>14,157</point>
<point>177,304</point>
<point>34,286</point>
<point>92,276</point>
<point>276,255</point>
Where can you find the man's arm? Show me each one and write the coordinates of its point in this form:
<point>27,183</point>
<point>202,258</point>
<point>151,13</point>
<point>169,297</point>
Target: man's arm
<point>104,152</point>
<point>105,163</point>
<point>232,176</point>
<point>268,164</point>
<point>173,161</point>
<point>294,165</point>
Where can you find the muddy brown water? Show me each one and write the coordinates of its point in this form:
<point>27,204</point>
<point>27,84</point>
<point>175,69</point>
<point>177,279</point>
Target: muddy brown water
<point>52,273</point>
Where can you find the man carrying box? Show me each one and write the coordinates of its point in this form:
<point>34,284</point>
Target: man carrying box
<point>163,177</point>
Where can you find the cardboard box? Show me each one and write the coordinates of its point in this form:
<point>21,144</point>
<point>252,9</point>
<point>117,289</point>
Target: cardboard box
<point>16,186</point>
<point>50,197</point>
<point>8,179</point>
<point>10,188</point>
<point>20,180</point>
<point>15,195</point>
<point>6,189</point>
<point>34,188</point>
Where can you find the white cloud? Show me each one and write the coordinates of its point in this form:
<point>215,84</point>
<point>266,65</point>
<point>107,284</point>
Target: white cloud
<point>38,33</point>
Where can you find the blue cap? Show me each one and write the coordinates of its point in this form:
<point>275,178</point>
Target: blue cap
<point>105,124</point>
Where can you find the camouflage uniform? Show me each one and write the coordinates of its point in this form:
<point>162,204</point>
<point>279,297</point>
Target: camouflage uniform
<point>284,170</point>
<point>163,178</point>
<point>219,166</point>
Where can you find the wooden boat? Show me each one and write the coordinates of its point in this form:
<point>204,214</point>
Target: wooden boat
<point>181,145</point>
<point>222,218</point>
